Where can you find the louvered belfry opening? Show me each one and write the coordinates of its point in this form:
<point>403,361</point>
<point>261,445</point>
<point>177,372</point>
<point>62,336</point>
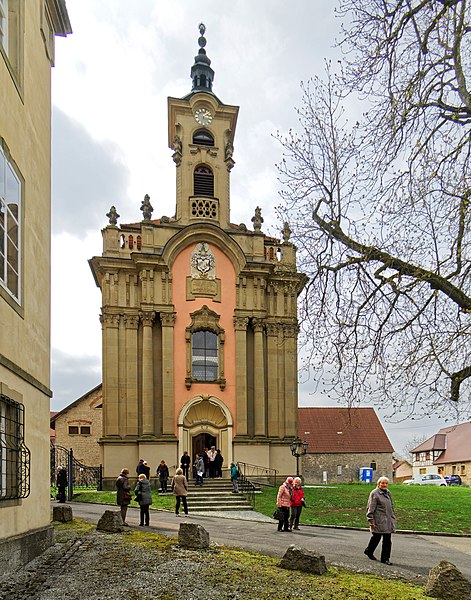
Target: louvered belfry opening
<point>203,181</point>
<point>203,138</point>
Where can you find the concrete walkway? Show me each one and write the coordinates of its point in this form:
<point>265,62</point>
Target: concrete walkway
<point>412,555</point>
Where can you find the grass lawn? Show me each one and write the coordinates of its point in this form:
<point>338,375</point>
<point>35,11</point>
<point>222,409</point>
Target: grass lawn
<point>418,507</point>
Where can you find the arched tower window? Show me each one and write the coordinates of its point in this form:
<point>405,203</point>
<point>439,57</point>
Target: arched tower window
<point>202,137</point>
<point>204,356</point>
<point>203,181</point>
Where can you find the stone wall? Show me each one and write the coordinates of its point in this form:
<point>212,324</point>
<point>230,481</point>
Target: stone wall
<point>344,468</point>
<point>86,412</point>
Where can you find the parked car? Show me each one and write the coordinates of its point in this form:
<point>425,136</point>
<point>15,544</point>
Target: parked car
<point>453,479</point>
<point>427,479</point>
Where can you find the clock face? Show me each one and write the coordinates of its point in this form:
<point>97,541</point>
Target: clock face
<point>203,116</point>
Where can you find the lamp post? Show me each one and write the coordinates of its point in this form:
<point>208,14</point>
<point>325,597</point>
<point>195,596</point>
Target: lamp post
<point>298,448</point>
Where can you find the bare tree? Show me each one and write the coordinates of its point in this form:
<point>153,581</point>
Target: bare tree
<point>412,442</point>
<point>380,210</point>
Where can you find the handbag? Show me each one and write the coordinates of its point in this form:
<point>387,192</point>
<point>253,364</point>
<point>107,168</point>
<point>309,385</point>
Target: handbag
<point>278,515</point>
<point>127,496</point>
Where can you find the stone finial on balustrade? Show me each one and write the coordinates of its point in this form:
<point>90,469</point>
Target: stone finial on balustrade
<point>257,219</point>
<point>113,216</point>
<point>147,208</point>
<point>286,232</point>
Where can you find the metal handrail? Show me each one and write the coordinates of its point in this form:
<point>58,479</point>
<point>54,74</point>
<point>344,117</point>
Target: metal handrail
<point>247,488</point>
<point>257,474</point>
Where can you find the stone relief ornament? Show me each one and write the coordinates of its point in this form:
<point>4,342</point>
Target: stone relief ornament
<point>203,262</point>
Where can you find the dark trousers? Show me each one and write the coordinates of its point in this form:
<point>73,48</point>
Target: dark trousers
<point>177,505</point>
<point>284,523</point>
<point>295,514</point>
<point>186,471</point>
<point>163,485</point>
<point>385,548</point>
<point>144,508</point>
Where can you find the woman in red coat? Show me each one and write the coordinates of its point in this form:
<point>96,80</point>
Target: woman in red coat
<point>297,503</point>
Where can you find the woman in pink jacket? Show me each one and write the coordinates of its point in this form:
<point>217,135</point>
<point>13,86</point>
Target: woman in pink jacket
<point>283,501</point>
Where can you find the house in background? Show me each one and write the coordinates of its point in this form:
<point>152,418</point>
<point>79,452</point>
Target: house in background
<point>448,452</point>
<point>79,427</point>
<point>402,470</point>
<point>27,38</point>
<point>341,441</point>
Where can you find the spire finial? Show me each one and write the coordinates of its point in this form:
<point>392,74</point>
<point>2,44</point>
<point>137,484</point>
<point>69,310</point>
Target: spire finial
<point>201,72</point>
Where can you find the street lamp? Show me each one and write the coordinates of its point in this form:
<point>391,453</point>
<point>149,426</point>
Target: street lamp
<point>298,448</point>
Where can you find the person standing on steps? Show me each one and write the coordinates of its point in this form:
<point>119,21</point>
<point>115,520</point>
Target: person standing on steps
<point>297,503</point>
<point>218,462</point>
<point>123,493</point>
<point>212,463</point>
<point>382,521</point>
<point>185,464</point>
<point>163,475</point>
<point>180,491</point>
<point>283,501</point>
<point>144,498</point>
<point>234,478</point>
<point>199,467</point>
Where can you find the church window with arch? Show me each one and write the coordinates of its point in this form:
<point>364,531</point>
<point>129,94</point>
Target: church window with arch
<point>202,137</point>
<point>204,355</point>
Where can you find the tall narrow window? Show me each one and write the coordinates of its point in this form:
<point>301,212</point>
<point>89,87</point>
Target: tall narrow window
<point>204,356</point>
<point>4,25</point>
<point>10,209</point>
<point>14,455</point>
<point>203,180</point>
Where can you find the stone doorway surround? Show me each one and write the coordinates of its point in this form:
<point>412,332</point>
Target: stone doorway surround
<point>206,415</point>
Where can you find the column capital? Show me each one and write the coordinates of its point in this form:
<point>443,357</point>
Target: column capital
<point>109,320</point>
<point>258,325</point>
<point>168,319</point>
<point>147,317</point>
<point>273,329</point>
<point>131,321</point>
<point>290,330</point>
<point>240,323</point>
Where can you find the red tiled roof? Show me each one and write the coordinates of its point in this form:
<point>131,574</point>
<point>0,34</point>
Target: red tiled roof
<point>458,444</point>
<point>342,430</point>
<point>436,442</point>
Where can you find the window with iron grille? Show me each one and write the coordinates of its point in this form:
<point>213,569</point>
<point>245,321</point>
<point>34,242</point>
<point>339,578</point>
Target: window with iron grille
<point>204,356</point>
<point>202,137</point>
<point>14,455</point>
<point>10,230</point>
<point>203,180</point>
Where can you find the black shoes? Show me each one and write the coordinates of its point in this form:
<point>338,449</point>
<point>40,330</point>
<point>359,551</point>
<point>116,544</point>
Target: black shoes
<point>370,556</point>
<point>386,562</point>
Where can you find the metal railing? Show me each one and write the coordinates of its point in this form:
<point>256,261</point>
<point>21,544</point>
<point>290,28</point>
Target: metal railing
<point>257,474</point>
<point>247,488</point>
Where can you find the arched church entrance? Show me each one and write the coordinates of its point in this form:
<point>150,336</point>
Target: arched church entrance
<point>203,422</point>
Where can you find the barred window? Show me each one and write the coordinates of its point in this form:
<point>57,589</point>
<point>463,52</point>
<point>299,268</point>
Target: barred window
<point>14,455</point>
<point>205,356</point>
<point>10,231</point>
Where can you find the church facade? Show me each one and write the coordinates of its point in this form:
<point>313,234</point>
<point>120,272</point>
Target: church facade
<point>199,316</point>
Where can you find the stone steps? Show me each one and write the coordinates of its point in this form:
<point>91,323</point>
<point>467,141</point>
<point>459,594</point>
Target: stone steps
<point>215,495</point>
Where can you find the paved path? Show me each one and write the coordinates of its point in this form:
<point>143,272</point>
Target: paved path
<point>412,555</point>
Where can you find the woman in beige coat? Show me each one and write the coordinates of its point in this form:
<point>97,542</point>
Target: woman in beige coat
<point>382,520</point>
<point>180,490</point>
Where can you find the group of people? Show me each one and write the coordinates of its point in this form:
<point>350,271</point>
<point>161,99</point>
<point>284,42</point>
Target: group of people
<point>379,513</point>
<point>208,463</point>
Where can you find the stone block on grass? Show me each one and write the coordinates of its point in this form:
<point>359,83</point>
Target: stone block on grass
<point>301,559</point>
<point>111,522</point>
<point>447,582</point>
<point>193,535</point>
<point>62,513</point>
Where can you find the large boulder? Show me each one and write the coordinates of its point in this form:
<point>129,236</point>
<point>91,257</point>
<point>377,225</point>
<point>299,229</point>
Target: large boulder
<point>111,522</point>
<point>192,535</point>
<point>300,559</point>
<point>446,581</point>
<point>62,513</point>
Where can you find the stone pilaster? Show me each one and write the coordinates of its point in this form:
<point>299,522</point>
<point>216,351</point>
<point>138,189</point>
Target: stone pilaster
<point>168,391</point>
<point>291,379</point>
<point>110,325</point>
<point>147,319</point>
<point>240,325</point>
<point>131,324</point>
<point>273,399</point>
<point>260,410</point>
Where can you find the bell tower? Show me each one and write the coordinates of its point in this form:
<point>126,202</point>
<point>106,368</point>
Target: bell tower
<point>201,133</point>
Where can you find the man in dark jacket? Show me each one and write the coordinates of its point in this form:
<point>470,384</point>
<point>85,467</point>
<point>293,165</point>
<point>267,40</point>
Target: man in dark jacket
<point>62,483</point>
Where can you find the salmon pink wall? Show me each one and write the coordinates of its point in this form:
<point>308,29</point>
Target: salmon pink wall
<point>225,308</point>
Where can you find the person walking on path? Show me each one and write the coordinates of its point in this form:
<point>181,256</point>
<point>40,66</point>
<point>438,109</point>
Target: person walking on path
<point>199,467</point>
<point>218,462</point>
<point>185,461</point>
<point>163,475</point>
<point>180,491</point>
<point>382,521</point>
<point>62,483</point>
<point>144,498</point>
<point>123,495</point>
<point>234,477</point>
<point>283,501</point>
<point>297,503</point>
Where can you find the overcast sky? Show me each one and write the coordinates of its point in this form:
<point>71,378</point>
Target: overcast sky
<point>109,90</point>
